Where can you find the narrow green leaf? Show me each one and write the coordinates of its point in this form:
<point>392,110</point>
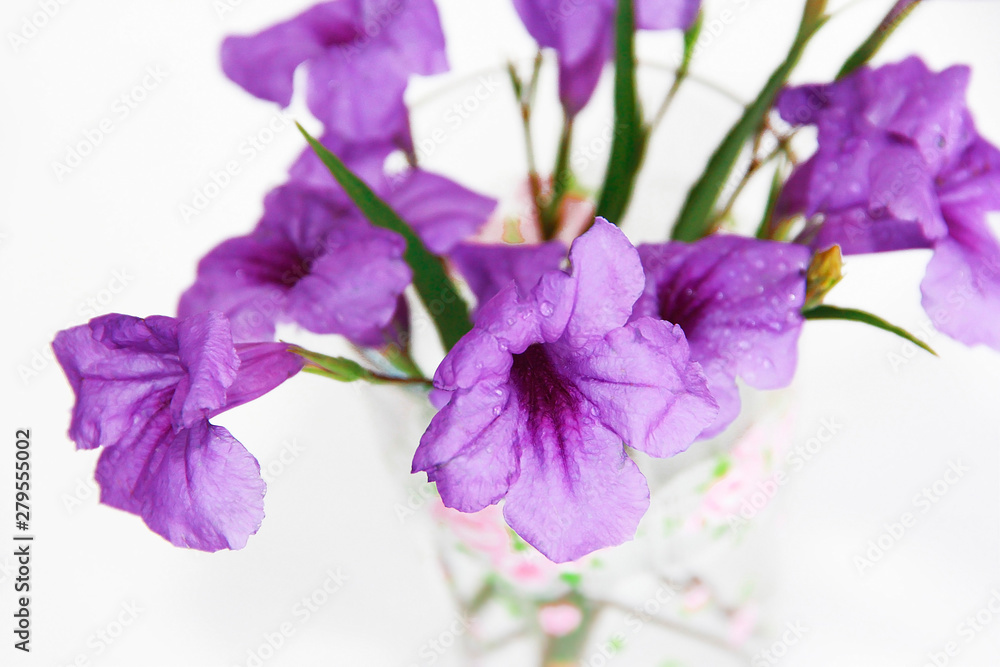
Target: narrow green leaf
<point>874,42</point>
<point>695,219</point>
<point>777,183</point>
<point>515,82</point>
<point>691,36</point>
<point>853,315</point>
<point>438,293</point>
<point>629,134</point>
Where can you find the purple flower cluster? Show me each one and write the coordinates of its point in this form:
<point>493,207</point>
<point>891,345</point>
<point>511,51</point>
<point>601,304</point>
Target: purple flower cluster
<point>575,355</point>
<point>145,391</point>
<point>900,165</point>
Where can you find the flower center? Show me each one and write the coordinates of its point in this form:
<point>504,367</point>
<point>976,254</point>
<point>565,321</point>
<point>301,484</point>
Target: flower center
<point>338,34</point>
<point>550,402</point>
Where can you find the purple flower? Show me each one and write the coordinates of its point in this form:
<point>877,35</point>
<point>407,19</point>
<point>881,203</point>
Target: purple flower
<point>582,33</point>
<point>739,302</point>
<point>314,260</point>
<point>900,165</point>
<point>359,55</point>
<point>545,390</point>
<point>488,268</point>
<point>145,390</point>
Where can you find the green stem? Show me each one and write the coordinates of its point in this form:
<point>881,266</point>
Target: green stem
<point>755,165</point>
<point>372,377</point>
<point>695,218</point>
<point>402,361</point>
<point>525,99</point>
<point>777,182</point>
<point>690,40</point>
<point>560,181</point>
<point>878,36</point>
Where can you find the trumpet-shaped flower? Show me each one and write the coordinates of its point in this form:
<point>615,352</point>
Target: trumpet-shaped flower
<point>545,392</point>
<point>145,390</point>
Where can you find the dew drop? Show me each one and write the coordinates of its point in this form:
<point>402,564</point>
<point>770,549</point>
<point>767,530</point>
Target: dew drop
<point>546,309</point>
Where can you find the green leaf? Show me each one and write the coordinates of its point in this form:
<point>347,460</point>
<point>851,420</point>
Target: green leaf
<point>629,139</point>
<point>449,312</point>
<point>695,220</point>
<point>853,315</point>
<point>777,183</point>
<point>878,37</point>
<point>691,36</point>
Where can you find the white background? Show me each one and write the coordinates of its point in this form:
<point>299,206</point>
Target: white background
<point>63,241</point>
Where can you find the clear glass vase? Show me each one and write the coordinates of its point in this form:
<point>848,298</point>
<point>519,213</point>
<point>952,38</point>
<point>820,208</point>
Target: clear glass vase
<point>689,589</point>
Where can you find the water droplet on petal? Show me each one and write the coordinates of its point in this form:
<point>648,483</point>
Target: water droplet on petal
<point>546,309</point>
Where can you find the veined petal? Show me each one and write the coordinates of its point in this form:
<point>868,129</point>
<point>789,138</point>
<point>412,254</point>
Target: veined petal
<point>264,64</point>
<point>356,98</point>
<point>205,348</point>
<point>469,449</point>
<point>577,490</point>
<point>608,279</point>
<point>197,487</point>
<point>263,366</point>
<point>490,268</point>
<point>116,393</point>
<point>738,301</point>
<point>644,387</point>
<point>961,290</point>
<point>353,286</point>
